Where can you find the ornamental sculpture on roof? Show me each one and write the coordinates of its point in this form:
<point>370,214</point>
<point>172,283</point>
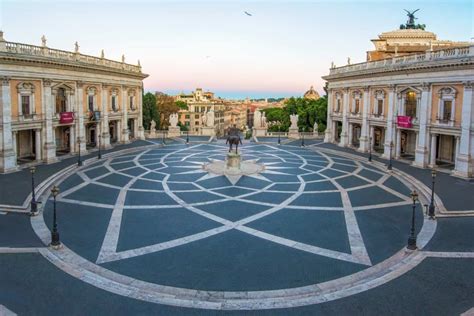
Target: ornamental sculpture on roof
<point>411,22</point>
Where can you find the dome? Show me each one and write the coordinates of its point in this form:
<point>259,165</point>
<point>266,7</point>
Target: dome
<point>311,94</point>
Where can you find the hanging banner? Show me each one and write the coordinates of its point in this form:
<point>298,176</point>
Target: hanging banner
<point>66,117</point>
<point>404,121</point>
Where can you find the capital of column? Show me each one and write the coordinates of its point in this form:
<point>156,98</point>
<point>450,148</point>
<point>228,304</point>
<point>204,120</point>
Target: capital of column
<point>46,82</point>
<point>366,89</point>
<point>392,87</point>
<point>425,86</point>
<point>79,84</point>
<point>468,85</point>
<point>5,81</point>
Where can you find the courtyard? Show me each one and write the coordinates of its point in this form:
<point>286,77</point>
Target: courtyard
<point>318,229</point>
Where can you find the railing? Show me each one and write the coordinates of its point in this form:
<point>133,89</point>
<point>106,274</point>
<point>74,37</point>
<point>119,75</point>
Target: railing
<point>282,134</point>
<point>27,117</point>
<point>448,53</point>
<point>32,50</point>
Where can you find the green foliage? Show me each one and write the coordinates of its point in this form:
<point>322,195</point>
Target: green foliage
<point>248,134</point>
<point>182,127</point>
<point>182,105</point>
<point>150,111</point>
<point>309,111</point>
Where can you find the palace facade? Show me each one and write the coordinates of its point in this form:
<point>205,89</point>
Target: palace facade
<point>55,102</point>
<point>416,106</point>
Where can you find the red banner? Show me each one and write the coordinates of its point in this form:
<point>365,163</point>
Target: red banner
<point>66,117</point>
<point>404,121</point>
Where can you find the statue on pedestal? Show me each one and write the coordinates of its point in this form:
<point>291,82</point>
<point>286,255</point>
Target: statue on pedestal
<point>257,119</point>
<point>173,119</point>
<point>233,138</point>
<point>210,118</point>
<point>294,121</point>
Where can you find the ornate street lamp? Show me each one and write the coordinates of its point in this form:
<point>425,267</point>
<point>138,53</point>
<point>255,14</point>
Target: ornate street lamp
<point>55,243</point>
<point>279,132</point>
<point>99,155</point>
<point>390,157</point>
<point>370,148</point>
<point>187,136</point>
<point>412,239</point>
<point>79,161</point>
<point>302,137</point>
<point>431,211</point>
<point>163,137</point>
<point>34,204</point>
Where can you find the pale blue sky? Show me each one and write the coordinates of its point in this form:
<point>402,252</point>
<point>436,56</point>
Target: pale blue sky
<point>281,50</point>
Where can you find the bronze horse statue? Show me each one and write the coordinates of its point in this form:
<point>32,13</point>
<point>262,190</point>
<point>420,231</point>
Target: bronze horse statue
<point>233,138</point>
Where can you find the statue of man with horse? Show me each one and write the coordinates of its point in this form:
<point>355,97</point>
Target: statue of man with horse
<point>233,138</point>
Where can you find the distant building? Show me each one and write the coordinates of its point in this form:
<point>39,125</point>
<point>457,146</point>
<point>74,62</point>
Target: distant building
<point>311,94</point>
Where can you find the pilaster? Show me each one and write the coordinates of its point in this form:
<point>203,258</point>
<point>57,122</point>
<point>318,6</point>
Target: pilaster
<point>464,166</point>
<point>125,133</point>
<point>141,130</point>
<point>345,121</point>
<point>105,141</point>
<point>421,152</point>
<point>364,132</point>
<point>7,154</point>
<point>328,135</point>
<point>80,130</point>
<point>49,150</point>
<point>390,130</point>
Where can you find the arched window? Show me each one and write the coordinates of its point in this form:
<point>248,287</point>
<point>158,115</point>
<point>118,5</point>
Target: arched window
<point>61,100</point>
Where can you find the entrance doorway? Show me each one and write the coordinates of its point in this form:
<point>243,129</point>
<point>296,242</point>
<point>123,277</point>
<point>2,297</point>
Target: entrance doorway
<point>407,144</point>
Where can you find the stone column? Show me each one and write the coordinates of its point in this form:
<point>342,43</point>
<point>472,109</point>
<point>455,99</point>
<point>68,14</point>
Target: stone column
<point>350,133</point>
<point>80,127</point>
<point>72,139</point>
<point>389,131</point>
<point>464,162</point>
<point>433,150</point>
<point>49,153</point>
<point>421,152</point>
<point>398,144</point>
<point>141,130</point>
<point>364,129</point>
<point>15,145</point>
<point>105,141</point>
<point>345,121</point>
<point>328,137</point>
<point>38,145</point>
<point>125,135</point>
<point>371,137</point>
<point>7,153</point>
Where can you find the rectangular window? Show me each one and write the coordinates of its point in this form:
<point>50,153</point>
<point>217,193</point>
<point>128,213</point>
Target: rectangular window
<point>25,104</point>
<point>410,104</point>
<point>114,103</point>
<point>131,102</point>
<point>447,106</point>
<point>196,123</point>
<point>186,123</point>
<point>196,116</point>
<point>338,105</point>
<point>187,116</point>
<point>356,108</point>
<point>379,107</point>
<point>91,103</point>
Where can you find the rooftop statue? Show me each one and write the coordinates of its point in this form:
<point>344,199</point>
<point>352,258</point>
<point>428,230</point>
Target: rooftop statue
<point>411,22</point>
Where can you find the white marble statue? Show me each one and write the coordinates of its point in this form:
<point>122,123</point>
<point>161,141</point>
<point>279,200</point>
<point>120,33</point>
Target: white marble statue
<point>315,127</point>
<point>294,121</point>
<point>264,120</point>
<point>204,118</point>
<point>152,126</point>
<point>43,41</point>
<point>102,54</point>
<point>173,119</point>
<point>76,47</point>
<point>210,118</point>
<point>257,119</point>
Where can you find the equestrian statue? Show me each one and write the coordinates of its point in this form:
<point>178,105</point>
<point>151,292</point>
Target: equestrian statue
<point>233,138</point>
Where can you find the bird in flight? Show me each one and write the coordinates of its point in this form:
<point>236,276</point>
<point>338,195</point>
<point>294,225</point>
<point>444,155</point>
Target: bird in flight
<point>247,13</point>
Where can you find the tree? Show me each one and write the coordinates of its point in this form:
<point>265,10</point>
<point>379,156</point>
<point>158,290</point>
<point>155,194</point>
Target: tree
<point>166,106</point>
<point>182,105</point>
<point>150,111</point>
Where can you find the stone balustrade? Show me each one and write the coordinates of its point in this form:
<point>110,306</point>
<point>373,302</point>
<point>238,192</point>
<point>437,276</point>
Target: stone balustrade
<point>444,54</point>
<point>66,56</point>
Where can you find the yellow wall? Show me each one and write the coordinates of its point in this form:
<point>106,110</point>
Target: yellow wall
<point>14,95</point>
<point>458,102</point>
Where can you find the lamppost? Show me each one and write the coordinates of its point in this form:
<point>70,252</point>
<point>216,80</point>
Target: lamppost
<point>302,137</point>
<point>370,148</point>
<point>163,137</point>
<point>79,161</point>
<point>34,204</point>
<point>431,211</point>
<point>390,157</point>
<point>187,136</point>
<point>279,132</point>
<point>412,239</point>
<point>99,155</point>
<point>55,243</point>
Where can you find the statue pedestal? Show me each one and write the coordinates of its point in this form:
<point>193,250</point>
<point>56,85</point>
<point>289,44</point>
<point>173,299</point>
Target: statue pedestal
<point>293,133</point>
<point>208,131</point>
<point>259,131</point>
<point>233,161</point>
<point>174,131</point>
<point>152,134</point>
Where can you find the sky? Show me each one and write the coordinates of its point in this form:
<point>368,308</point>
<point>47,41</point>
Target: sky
<point>281,50</point>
